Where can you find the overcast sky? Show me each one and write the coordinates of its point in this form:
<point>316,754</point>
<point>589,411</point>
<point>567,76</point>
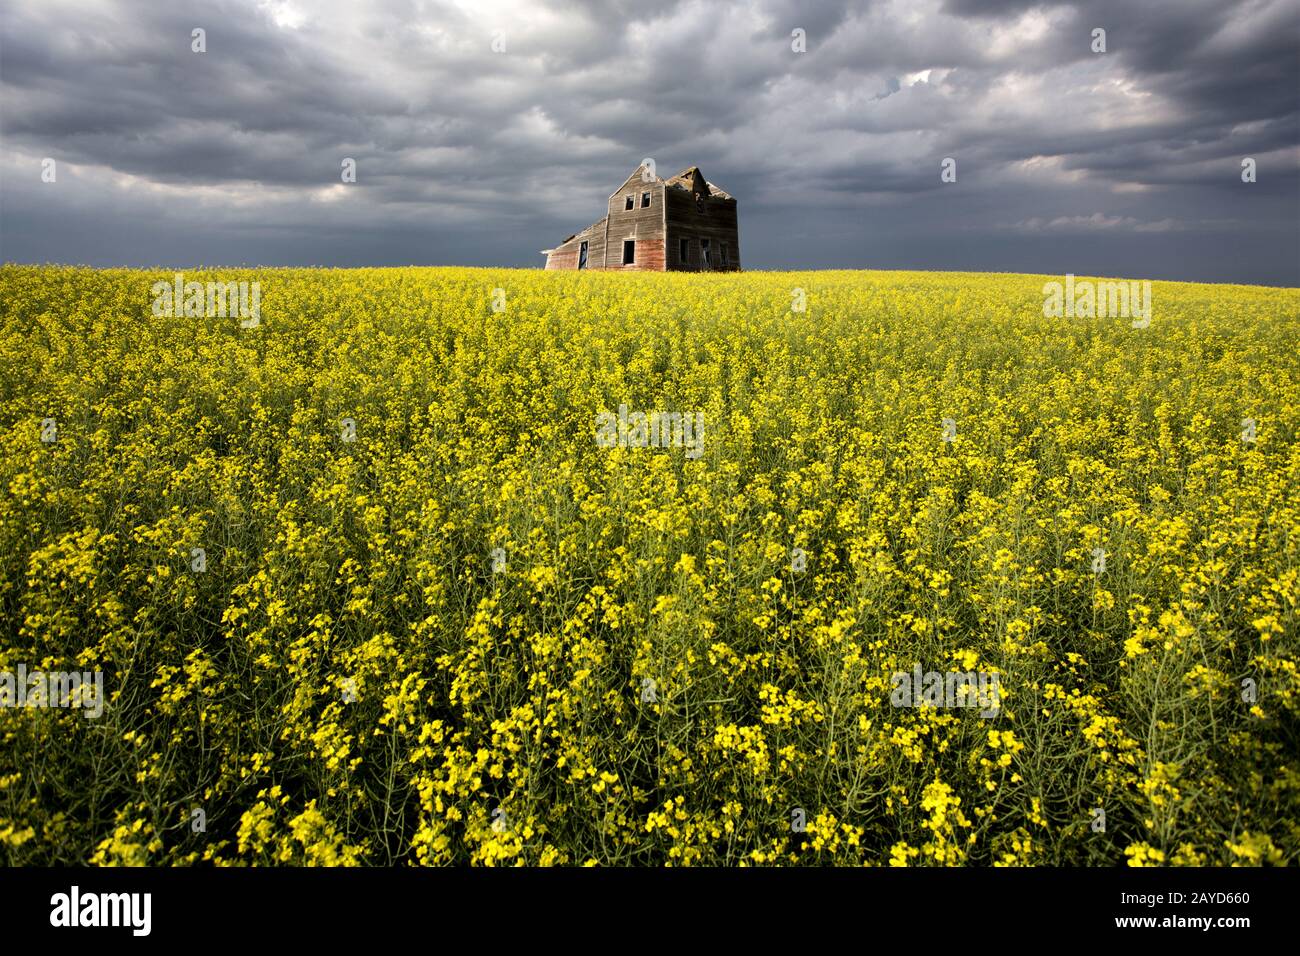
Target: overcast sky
<point>1122,163</point>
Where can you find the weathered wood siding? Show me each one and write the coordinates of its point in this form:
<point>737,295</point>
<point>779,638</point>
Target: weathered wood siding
<point>565,255</point>
<point>564,258</point>
<point>644,226</point>
<point>718,223</point>
<point>649,256</point>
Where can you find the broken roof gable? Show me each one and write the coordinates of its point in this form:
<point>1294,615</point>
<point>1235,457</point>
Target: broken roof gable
<point>693,181</point>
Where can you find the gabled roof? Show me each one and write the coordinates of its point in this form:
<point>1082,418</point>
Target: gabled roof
<point>693,181</point>
<point>637,174</point>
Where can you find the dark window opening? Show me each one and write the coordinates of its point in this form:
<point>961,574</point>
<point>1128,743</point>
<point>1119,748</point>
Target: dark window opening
<point>582,256</point>
<point>630,200</point>
<point>699,204</point>
<point>704,254</point>
<point>683,250</point>
<point>722,249</point>
<point>645,200</point>
<point>629,252</point>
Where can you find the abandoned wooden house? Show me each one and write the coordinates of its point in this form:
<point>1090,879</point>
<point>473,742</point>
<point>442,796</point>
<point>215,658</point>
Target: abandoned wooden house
<point>661,225</point>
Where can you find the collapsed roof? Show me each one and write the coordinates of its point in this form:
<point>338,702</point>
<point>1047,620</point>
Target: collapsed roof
<point>693,181</point>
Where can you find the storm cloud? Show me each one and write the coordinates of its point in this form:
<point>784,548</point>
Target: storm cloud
<point>484,132</point>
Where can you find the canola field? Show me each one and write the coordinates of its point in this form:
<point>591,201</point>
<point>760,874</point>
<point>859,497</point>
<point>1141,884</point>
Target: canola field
<point>395,574</point>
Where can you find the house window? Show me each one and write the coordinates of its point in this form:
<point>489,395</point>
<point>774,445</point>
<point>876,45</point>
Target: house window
<point>704,254</point>
<point>629,252</point>
<point>630,200</point>
<point>645,200</point>
<point>582,256</point>
<point>683,250</point>
<point>722,250</point>
<point>699,204</point>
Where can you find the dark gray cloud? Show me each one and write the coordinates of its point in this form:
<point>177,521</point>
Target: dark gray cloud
<point>1126,162</point>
